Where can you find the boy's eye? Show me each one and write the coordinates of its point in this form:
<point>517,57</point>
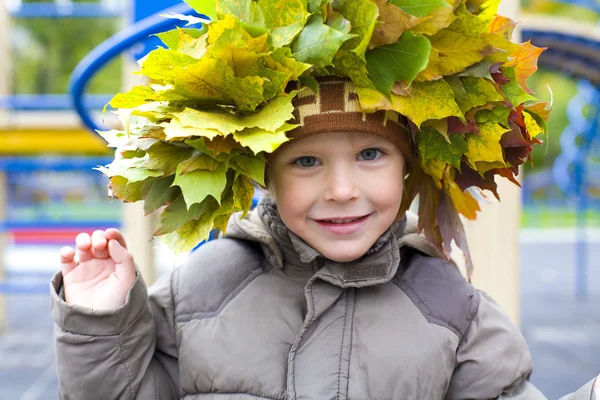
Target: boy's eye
<point>307,162</point>
<point>369,154</point>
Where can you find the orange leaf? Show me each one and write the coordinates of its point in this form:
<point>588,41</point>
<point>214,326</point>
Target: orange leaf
<point>502,25</point>
<point>525,63</point>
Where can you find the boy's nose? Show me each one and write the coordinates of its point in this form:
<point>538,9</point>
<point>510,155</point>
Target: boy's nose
<point>341,186</point>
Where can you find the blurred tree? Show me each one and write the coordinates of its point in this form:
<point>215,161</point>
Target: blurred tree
<point>46,50</point>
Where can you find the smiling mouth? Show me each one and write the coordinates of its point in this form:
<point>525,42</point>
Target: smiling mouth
<point>342,221</point>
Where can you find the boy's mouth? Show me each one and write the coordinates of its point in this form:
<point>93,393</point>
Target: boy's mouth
<point>339,221</point>
<point>343,225</point>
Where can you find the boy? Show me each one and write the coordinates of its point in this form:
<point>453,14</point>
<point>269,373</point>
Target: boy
<point>324,291</point>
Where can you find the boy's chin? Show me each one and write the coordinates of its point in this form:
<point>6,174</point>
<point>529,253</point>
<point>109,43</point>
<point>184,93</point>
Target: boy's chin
<point>344,254</point>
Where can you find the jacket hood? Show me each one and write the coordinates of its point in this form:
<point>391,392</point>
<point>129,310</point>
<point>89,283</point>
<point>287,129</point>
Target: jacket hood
<point>281,246</point>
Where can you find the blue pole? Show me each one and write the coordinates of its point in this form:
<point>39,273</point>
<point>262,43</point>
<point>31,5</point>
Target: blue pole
<point>582,201</point>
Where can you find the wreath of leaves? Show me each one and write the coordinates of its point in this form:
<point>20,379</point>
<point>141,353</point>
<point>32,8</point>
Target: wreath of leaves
<point>195,138</point>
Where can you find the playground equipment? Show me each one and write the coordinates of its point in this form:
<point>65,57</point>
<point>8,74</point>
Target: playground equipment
<point>496,260</point>
<point>574,50</point>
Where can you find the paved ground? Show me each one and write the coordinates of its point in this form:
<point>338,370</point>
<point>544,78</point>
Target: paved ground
<point>562,332</point>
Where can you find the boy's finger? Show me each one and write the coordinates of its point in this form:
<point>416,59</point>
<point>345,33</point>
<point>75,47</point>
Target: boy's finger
<point>83,245</point>
<point>67,260</point>
<point>99,245</point>
<point>112,233</point>
<point>124,265</point>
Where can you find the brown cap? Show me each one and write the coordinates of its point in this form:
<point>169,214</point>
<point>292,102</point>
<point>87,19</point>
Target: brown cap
<point>335,109</point>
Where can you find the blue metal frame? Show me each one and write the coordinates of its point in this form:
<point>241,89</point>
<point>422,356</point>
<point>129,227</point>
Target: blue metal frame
<point>62,164</point>
<point>74,10</point>
<point>51,102</point>
<point>112,47</point>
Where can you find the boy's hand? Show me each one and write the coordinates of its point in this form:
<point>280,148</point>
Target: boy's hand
<point>104,274</point>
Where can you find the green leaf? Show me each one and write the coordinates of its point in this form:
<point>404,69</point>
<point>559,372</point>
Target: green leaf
<point>213,81</point>
<point>204,7</point>
<point>158,192</point>
<point>171,38</point>
<point>140,95</point>
<point>498,115</point>
<point>176,214</point>
<point>432,144</point>
<point>479,91</point>
<point>166,158</point>
<point>188,235</point>
<point>251,166</point>
<point>270,118</point>
<point>243,192</point>
<point>401,61</point>
<point>258,140</point>
<point>427,100</point>
<point>164,65</point>
<point>240,8</point>
<point>318,43</point>
<point>130,168</point>
<point>284,18</point>
<point>362,15</point>
<point>199,184</point>
<point>419,8</point>
<point>512,90</point>
<point>199,161</point>
<point>128,192</point>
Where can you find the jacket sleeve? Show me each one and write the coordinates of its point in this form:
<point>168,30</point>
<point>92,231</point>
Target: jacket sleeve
<point>586,392</point>
<point>127,353</point>
<point>493,361</point>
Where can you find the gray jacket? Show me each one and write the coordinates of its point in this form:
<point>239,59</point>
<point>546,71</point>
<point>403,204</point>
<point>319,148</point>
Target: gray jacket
<point>261,315</point>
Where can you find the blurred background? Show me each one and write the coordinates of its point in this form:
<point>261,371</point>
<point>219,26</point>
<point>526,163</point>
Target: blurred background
<point>49,191</point>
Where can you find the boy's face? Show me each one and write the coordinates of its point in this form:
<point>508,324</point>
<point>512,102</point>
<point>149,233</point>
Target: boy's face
<point>339,192</point>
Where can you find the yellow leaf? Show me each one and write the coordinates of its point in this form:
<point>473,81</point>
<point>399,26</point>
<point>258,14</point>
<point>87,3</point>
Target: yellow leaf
<point>394,22</point>
<point>262,140</point>
<point>427,100</point>
<point>435,22</point>
<point>532,126</point>
<point>453,52</point>
<point>434,168</point>
<point>464,202</point>
<point>175,131</point>
<point>485,147</point>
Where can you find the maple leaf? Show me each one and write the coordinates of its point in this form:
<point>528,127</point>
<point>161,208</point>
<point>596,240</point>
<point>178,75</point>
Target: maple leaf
<point>362,15</point>
<point>204,7</point>
<point>197,185</point>
<point>484,149</point>
<point>432,144</point>
<point>419,8</point>
<point>393,22</point>
<point>172,38</point>
<point>427,100</point>
<point>525,63</point>
<point>513,90</point>
<point>318,43</point>
<point>452,52</point>
<point>284,19</point>
<point>401,61</point>
<point>436,21</point>
<point>451,229</point>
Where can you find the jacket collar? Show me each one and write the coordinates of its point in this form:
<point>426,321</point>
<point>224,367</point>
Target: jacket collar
<point>283,248</point>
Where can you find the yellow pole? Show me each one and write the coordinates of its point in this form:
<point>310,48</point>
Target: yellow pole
<point>494,237</point>
<point>4,90</point>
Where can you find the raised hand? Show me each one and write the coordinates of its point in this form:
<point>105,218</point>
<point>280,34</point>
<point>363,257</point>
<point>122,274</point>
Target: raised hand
<point>104,274</point>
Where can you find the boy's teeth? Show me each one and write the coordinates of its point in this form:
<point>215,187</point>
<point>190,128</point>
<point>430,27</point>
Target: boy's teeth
<point>342,221</point>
